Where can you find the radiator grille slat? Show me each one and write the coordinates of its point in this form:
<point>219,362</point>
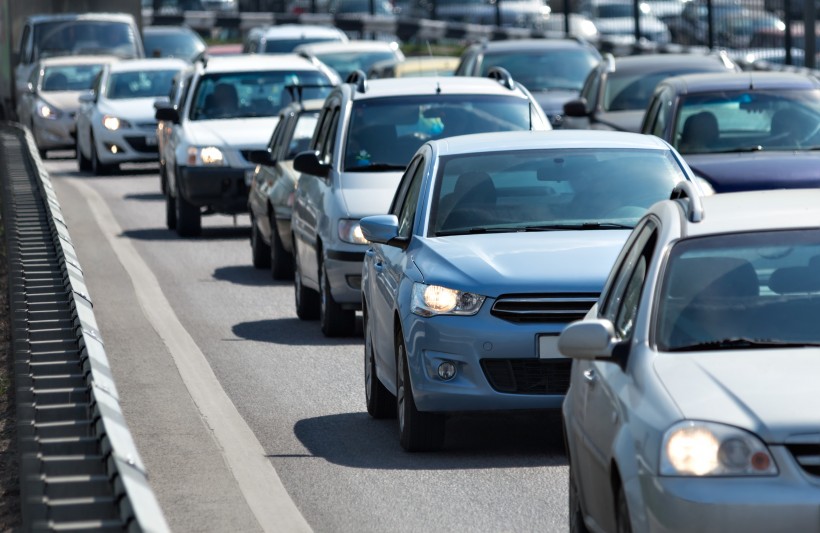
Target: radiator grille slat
<point>528,376</point>
<point>545,308</point>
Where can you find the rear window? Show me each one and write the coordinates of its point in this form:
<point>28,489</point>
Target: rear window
<point>75,37</point>
<point>69,77</point>
<point>286,46</point>
<point>142,84</point>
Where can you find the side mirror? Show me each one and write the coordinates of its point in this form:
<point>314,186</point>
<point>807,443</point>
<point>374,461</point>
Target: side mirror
<point>261,157</point>
<point>162,101</point>
<point>86,98</point>
<point>588,339</point>
<point>308,162</point>
<point>382,229</point>
<point>576,108</point>
<point>166,112</point>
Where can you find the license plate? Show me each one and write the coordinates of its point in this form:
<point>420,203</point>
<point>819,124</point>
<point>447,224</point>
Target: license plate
<point>548,347</point>
<point>151,140</point>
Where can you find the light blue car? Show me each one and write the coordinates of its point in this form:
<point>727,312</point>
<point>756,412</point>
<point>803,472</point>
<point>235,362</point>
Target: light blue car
<point>493,243</point>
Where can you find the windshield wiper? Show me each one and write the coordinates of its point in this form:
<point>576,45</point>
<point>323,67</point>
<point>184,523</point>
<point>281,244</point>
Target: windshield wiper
<point>474,231</point>
<point>376,167</point>
<point>740,342</point>
<point>742,149</point>
<point>573,227</point>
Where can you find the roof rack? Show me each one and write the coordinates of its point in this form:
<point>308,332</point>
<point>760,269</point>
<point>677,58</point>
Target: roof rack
<point>359,79</point>
<point>502,76</point>
<point>694,207</point>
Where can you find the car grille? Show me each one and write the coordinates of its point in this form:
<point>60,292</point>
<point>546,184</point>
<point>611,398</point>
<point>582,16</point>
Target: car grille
<point>807,456</point>
<point>528,376</point>
<point>151,126</point>
<point>139,144</point>
<point>549,308</point>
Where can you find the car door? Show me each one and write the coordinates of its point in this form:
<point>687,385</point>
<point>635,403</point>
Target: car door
<point>263,179</point>
<point>27,106</point>
<point>604,381</point>
<point>176,136</point>
<point>389,267</point>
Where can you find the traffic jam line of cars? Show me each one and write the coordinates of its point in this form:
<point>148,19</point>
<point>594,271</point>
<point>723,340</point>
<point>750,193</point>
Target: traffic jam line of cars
<point>505,256</point>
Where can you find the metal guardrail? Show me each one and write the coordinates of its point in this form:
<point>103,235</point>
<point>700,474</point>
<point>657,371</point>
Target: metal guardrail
<point>79,467</point>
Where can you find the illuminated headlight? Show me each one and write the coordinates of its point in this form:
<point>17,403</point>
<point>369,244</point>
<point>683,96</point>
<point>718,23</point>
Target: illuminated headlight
<point>114,123</point>
<point>351,231</point>
<point>46,111</point>
<point>709,449</point>
<point>208,155</point>
<point>430,300</point>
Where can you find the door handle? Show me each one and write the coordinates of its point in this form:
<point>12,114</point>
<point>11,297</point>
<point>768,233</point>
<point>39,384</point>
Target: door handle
<point>590,376</point>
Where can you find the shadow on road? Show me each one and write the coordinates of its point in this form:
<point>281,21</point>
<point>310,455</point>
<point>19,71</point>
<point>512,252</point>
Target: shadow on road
<point>293,332</point>
<point>473,441</point>
<point>145,196</point>
<point>208,234</point>
<point>245,275</point>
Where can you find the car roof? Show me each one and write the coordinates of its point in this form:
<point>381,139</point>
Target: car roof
<point>154,63</point>
<point>117,17</point>
<point>519,45</point>
<point>349,46</point>
<point>738,81</point>
<point>290,31</point>
<point>78,60</point>
<point>661,62</point>
<point>444,85</point>
<point>255,62</point>
<point>761,210</point>
<point>539,140</point>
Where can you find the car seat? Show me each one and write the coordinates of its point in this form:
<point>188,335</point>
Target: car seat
<point>472,202</point>
<point>56,82</point>
<point>699,131</point>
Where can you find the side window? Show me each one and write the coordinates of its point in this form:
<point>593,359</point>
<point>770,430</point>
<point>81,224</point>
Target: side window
<point>651,116</point>
<point>404,185</point>
<point>625,317</point>
<point>590,89</point>
<point>321,129</point>
<point>659,126</point>
<point>410,203</point>
<point>329,146</point>
<point>25,46</point>
<point>276,139</point>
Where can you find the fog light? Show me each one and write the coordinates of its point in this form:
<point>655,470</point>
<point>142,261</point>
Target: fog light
<point>447,370</point>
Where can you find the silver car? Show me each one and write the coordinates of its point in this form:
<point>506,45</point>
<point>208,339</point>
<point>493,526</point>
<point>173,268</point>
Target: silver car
<point>693,401</point>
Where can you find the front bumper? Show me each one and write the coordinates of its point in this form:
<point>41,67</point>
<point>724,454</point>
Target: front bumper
<point>126,145</point>
<point>497,363</point>
<point>789,501</point>
<point>223,189</point>
<point>344,272</point>
<point>54,134</point>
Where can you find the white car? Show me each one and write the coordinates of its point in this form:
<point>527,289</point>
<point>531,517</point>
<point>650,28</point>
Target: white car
<point>228,107</point>
<point>347,57</point>
<point>115,123</point>
<point>282,39</point>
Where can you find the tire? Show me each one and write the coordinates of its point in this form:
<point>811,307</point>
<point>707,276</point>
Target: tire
<point>306,300</point>
<point>418,431</point>
<point>83,163</point>
<point>260,251</point>
<point>336,322</point>
<point>189,217</point>
<point>380,403</point>
<point>576,517</point>
<point>170,210</point>
<point>623,524</point>
<point>98,167</point>
<point>281,261</point>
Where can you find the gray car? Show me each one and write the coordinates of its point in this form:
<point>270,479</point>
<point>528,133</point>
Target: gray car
<point>693,396</point>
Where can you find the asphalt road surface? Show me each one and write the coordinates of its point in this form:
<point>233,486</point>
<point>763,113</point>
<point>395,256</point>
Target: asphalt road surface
<point>247,418</point>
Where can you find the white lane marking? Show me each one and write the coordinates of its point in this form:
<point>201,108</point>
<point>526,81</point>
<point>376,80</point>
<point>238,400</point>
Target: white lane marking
<point>256,476</point>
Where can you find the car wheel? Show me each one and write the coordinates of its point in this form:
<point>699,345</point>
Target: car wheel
<point>380,403</point>
<point>623,524</point>
<point>260,251</point>
<point>83,162</point>
<point>281,261</point>
<point>306,300</point>
<point>189,217</point>
<point>418,431</point>
<point>98,167</point>
<point>170,210</point>
<point>336,321</point>
<point>576,517</point>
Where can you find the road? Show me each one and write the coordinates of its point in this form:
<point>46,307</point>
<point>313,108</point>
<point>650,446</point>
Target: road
<point>220,381</point>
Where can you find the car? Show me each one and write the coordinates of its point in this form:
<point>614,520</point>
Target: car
<point>552,69</point>
<point>615,20</point>
<point>742,130</point>
<point>414,66</point>
<point>228,107</point>
<point>49,104</point>
<point>115,121</point>
<point>493,243</point>
<point>736,31</point>
<point>383,8</point>
<point>165,128</point>
<point>347,57</point>
<point>283,38</point>
<point>173,41</point>
<point>270,199</point>
<point>617,91</point>
<point>528,14</point>
<point>367,133</point>
<point>691,27</point>
<point>692,402</point>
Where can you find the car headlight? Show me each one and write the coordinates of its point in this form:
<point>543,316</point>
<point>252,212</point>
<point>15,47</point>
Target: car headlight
<point>207,155</point>
<point>694,448</point>
<point>430,300</point>
<point>350,231</point>
<point>46,111</point>
<point>113,123</point>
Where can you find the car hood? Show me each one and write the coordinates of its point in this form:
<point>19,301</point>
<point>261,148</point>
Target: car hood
<point>369,193</point>
<point>552,102</point>
<point>757,170</point>
<point>623,120</point>
<point>245,132</point>
<point>67,101</point>
<point>131,109</point>
<point>771,394</point>
<point>495,264</point>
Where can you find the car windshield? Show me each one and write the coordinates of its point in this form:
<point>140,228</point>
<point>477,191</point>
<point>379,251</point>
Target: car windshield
<point>741,290</point>
<point>346,62</point>
<point>253,94</point>
<point>388,131</point>
<point>182,45</point>
<point>742,121</point>
<point>69,77</point>
<point>286,46</point>
<point>632,92</point>
<point>74,37</point>
<point>139,84</point>
<point>549,189</point>
<point>545,70</point>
